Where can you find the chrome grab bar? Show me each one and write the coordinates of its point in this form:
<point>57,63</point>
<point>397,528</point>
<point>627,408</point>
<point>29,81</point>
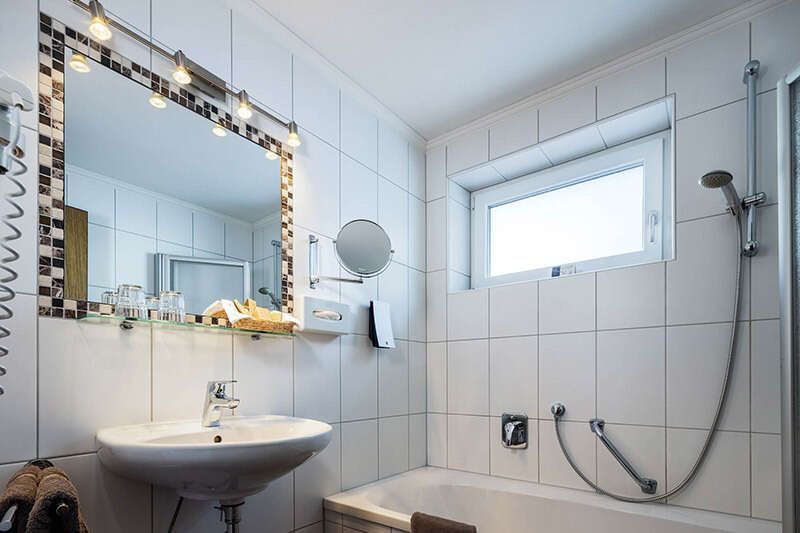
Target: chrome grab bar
<point>647,485</point>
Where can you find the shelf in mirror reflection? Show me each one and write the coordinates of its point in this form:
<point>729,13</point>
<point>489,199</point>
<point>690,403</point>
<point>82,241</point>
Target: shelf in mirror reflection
<point>130,323</point>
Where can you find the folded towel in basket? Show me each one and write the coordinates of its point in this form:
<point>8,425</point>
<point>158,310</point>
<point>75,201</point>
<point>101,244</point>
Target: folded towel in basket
<point>425,523</point>
<point>20,491</point>
<point>57,508</point>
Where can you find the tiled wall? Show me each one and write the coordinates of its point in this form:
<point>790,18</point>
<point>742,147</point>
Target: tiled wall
<point>643,347</point>
<point>128,225</point>
<point>356,160</point>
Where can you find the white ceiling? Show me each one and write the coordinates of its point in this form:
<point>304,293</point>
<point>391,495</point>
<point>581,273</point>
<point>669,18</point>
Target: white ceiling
<point>112,130</point>
<point>439,64</point>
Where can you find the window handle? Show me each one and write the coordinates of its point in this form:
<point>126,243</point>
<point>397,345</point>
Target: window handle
<point>652,222</point>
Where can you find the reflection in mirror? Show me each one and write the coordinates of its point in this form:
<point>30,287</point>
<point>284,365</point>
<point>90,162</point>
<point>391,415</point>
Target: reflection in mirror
<point>154,198</point>
<point>363,248</point>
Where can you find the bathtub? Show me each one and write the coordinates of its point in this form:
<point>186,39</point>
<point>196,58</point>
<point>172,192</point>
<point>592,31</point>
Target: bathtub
<point>497,505</point>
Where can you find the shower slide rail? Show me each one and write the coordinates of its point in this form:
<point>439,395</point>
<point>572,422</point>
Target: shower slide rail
<point>648,486</point>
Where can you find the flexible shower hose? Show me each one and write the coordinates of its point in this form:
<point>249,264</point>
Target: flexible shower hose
<point>717,416</point>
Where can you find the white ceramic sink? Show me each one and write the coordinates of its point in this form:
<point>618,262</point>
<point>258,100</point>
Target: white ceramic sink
<point>237,459</point>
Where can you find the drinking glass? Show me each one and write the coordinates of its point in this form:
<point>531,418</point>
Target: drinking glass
<point>109,297</point>
<point>130,301</point>
<point>171,306</point>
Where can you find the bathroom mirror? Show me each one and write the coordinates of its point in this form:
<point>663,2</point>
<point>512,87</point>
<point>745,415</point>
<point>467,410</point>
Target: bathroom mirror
<point>182,196</point>
<point>363,248</point>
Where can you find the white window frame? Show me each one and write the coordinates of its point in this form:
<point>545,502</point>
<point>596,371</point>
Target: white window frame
<point>648,152</point>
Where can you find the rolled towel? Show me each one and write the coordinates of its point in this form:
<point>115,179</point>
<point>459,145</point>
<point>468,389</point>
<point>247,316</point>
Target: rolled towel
<point>57,508</point>
<point>20,491</point>
<point>425,523</point>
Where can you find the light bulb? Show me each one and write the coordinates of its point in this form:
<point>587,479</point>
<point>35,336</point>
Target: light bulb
<point>272,156</point>
<point>157,101</point>
<point>99,24</point>
<point>218,130</point>
<point>181,73</point>
<point>293,139</point>
<point>78,63</point>
<point>244,111</point>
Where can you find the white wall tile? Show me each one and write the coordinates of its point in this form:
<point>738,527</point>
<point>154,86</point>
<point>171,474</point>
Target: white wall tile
<point>437,440</point>
<point>316,186</point>
<point>514,133</point>
<point>416,171</point>
<point>458,237</point>
<point>359,191</point>
<point>358,296</point>
<point>767,145</point>
<point>766,476</point>
<point>515,463</point>
<point>467,150</point>
<point>709,141</point>
<point>19,381</point>
<point>208,233</point>
<point>630,376</point>
<point>567,304</point>
<point>707,72</point>
<point>553,467</point>
<point>102,271</point>
<point>359,133</point>
<point>468,443</point>
<point>567,374</point>
<point>696,362</point>
<point>468,314</point>
<point>261,65</point>
<point>359,378</point>
<point>468,377</point>
<point>765,377</point>
<point>92,195</point>
<point>392,155</point>
<point>359,453</point>
<point>765,298</point>
<point>568,112</point>
<point>392,446</point>
<point>717,487</point>
<point>135,212</point>
<point>417,312</point>
<point>202,29</point>
<point>416,233</point>
<point>316,377</point>
<point>316,103</point>
<point>111,369</point>
<point>631,297</point>
<point>437,377</point>
<point>238,241</point>
<point>773,40</point>
<point>701,281</point>
<point>436,288</point>
<point>417,440</point>
<point>134,260</point>
<point>437,235</point>
<point>514,309</point>
<point>572,145</point>
<point>183,364</point>
<point>263,372</point>
<point>19,26</point>
<point>273,508</point>
<point>319,477</point>
<point>644,447</point>
<point>417,368</point>
<point>393,289</point>
<point>174,223</point>
<point>196,516</point>
<point>435,173</point>
<point>101,492</point>
<point>513,376</point>
<point>633,87</point>
<point>393,216</point>
<point>164,247</point>
<point>393,380</point>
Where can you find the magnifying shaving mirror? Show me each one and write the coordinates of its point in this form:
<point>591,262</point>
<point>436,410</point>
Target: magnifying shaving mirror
<point>362,248</point>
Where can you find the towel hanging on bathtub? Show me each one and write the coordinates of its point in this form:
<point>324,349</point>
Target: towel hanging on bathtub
<point>20,491</point>
<point>425,523</point>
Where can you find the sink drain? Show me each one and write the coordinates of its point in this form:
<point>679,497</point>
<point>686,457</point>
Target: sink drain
<point>217,438</point>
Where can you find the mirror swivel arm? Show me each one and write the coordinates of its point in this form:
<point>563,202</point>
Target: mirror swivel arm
<point>313,266</point>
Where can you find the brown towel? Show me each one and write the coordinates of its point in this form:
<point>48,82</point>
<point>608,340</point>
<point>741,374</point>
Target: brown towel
<point>20,491</point>
<point>425,523</point>
<point>55,491</point>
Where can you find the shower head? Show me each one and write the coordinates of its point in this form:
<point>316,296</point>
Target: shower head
<point>721,179</point>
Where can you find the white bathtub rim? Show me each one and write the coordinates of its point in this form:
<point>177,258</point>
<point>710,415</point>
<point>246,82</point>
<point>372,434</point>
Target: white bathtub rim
<point>358,502</point>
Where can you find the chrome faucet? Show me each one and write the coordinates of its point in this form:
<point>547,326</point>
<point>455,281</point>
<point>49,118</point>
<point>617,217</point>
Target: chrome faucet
<point>217,400</point>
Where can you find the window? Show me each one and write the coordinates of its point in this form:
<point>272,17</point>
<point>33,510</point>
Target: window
<point>599,212</point>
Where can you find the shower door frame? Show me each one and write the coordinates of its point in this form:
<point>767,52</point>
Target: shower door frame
<point>789,289</point>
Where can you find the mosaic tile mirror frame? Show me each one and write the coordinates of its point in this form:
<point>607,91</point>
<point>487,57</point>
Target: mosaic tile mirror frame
<point>56,42</point>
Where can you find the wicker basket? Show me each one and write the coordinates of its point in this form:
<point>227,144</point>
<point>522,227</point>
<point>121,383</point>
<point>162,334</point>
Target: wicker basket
<point>267,326</point>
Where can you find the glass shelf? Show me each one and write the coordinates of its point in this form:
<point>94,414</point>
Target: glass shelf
<point>130,323</point>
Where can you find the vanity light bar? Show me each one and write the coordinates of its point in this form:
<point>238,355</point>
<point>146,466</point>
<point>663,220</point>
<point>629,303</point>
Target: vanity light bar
<point>95,7</point>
